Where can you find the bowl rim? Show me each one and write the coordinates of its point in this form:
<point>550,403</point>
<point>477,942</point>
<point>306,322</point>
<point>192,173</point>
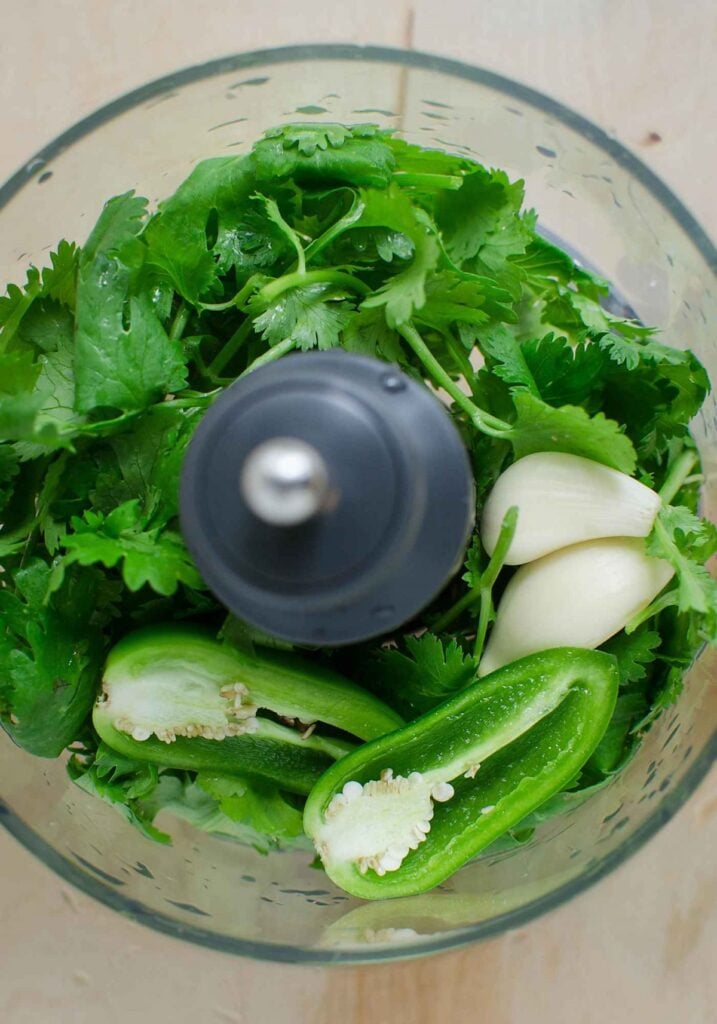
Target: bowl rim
<point>668,805</point>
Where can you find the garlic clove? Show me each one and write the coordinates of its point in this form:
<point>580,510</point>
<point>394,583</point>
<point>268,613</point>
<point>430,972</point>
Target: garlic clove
<point>562,500</point>
<point>578,596</point>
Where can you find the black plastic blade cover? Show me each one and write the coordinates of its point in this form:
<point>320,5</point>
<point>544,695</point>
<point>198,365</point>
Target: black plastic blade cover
<point>397,524</point>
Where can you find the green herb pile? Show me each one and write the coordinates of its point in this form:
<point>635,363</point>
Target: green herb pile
<point>322,236</point>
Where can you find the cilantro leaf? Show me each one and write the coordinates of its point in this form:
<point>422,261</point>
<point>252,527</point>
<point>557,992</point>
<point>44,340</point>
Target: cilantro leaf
<point>59,280</point>
<point>119,366</point>
<point>124,369</point>
<point>147,464</point>
<point>564,374</point>
<point>401,294</point>
<point>311,315</point>
<point>542,262</point>
<point>686,542</point>
<point>622,336</point>
<point>252,243</point>
<point>475,563</point>
<point>482,228</point>
<point>121,220</point>
<point>666,694</point>
<point>413,159</point>
<point>123,357</point>
<point>126,785</point>
<point>257,804</point>
<point>50,654</point>
<point>634,652</point>
<point>47,326</point>
<point>367,333</point>
<point>15,304</point>
<point>467,302</point>
<point>506,358</point>
<point>147,556</point>
<point>390,244</point>
<point>426,672</point>
<point>618,743</point>
<point>56,283</point>
<point>357,155</point>
<point>540,428</point>
<point>180,795</point>
<point>38,405</point>
<point>177,235</point>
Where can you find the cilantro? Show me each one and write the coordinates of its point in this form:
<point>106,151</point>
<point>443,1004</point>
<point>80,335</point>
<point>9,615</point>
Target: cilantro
<point>312,316</point>
<point>253,243</point>
<point>634,653</point>
<point>405,291</point>
<point>147,464</point>
<point>16,303</point>
<point>117,364</point>
<point>147,556</point>
<point>59,280</point>
<point>126,785</point>
<point>412,159</point>
<point>663,697</point>
<point>617,743</point>
<point>359,155</point>
<point>539,427</point>
<point>177,235</point>
<point>481,220</point>
<point>368,334</point>
<point>185,797</point>
<point>506,359</point>
<point>9,468</point>
<point>564,374</point>
<point>463,301</point>
<point>256,804</point>
<point>425,672</point>
<point>50,654</point>
<point>686,542</point>
<point>475,563</point>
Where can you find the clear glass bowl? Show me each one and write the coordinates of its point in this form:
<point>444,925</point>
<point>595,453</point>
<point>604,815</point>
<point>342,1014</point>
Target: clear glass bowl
<point>593,195</point>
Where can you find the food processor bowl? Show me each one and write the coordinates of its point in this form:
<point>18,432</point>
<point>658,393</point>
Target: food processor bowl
<point>597,199</point>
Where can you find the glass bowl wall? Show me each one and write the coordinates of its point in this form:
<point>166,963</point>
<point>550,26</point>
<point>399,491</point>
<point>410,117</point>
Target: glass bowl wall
<point>594,196</point>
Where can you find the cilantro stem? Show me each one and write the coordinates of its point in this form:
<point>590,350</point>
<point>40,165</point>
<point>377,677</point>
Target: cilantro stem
<point>486,614</point>
<point>238,300</point>
<point>230,349</point>
<point>677,475</point>
<point>487,608</point>
<point>430,181</point>
<point>488,576</point>
<point>275,288</point>
<point>461,357</point>
<point>500,552</point>
<point>482,421</point>
<point>665,600</point>
<point>274,214</point>
<point>180,321</point>
<point>191,401</point>
<point>452,613</point>
<point>336,229</point>
<point>274,353</point>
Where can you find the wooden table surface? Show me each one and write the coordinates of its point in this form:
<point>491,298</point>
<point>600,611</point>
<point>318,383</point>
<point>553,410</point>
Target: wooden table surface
<point>641,945</point>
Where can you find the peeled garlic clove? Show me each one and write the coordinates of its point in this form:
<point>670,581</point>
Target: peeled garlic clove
<point>575,597</point>
<point>565,499</point>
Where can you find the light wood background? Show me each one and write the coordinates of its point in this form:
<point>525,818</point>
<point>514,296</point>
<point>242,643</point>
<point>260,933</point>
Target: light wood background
<point>641,945</point>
